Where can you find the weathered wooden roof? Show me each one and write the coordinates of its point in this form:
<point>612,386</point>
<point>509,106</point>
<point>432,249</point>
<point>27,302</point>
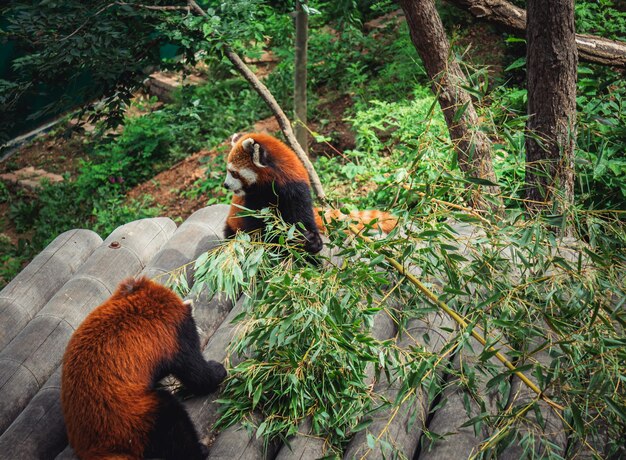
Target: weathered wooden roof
<point>45,303</point>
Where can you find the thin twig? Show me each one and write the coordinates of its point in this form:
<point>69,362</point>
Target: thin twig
<point>87,21</point>
<point>154,7</point>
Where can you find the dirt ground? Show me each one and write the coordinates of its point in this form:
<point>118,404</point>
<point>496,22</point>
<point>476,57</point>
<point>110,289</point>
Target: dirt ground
<point>166,187</point>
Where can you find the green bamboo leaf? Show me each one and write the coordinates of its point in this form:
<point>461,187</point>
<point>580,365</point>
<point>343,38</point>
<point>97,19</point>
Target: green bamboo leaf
<point>256,397</point>
<point>261,429</point>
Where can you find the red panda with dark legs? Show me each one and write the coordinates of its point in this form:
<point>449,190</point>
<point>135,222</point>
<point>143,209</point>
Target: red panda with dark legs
<point>111,365</point>
<point>263,172</point>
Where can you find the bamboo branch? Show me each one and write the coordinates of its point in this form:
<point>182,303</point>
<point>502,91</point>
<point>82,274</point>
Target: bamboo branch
<point>278,112</point>
<point>461,322</point>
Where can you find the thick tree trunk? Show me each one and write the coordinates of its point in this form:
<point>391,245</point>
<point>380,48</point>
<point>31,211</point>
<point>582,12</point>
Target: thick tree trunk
<point>300,77</point>
<point>590,48</point>
<point>551,63</point>
<point>472,145</point>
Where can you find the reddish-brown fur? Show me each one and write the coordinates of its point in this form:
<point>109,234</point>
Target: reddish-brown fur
<point>99,372</point>
<point>287,168</point>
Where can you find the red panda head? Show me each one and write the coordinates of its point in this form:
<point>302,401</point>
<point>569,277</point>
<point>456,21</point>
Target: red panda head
<point>257,159</point>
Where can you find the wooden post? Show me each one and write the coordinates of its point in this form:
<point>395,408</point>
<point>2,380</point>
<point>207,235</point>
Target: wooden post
<point>300,76</point>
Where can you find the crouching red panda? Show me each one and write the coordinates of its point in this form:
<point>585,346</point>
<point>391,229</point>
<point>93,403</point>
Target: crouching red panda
<point>263,172</point>
<point>111,366</point>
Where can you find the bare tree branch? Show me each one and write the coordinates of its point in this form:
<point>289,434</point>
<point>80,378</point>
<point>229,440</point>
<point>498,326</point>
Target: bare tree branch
<point>79,28</point>
<point>134,5</point>
<point>278,112</point>
<point>590,48</point>
<point>155,8</point>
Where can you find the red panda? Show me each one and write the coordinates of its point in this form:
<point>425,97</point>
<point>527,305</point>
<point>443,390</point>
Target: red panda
<point>111,365</point>
<point>263,172</point>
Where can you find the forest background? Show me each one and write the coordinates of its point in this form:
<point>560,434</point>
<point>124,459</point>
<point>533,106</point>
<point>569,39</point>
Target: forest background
<point>378,139</point>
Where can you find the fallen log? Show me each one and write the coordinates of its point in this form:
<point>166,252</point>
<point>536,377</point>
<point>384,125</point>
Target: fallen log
<point>591,48</point>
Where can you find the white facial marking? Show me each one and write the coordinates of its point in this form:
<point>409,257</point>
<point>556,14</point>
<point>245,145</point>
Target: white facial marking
<point>233,184</point>
<point>248,175</point>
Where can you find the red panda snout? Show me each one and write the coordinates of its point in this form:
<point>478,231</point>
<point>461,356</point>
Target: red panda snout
<point>238,179</point>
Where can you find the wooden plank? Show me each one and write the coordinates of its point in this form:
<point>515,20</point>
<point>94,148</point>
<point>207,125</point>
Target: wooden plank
<point>29,291</point>
<point>35,353</point>
<point>202,231</point>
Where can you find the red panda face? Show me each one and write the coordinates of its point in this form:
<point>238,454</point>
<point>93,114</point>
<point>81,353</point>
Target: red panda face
<point>261,159</point>
<point>238,179</point>
<point>244,164</point>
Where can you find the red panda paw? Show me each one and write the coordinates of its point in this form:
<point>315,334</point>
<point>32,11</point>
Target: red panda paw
<point>314,243</point>
<point>218,372</point>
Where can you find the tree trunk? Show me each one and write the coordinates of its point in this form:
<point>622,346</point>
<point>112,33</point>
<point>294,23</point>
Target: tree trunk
<point>590,48</point>
<point>300,77</point>
<point>472,145</point>
<point>551,63</point>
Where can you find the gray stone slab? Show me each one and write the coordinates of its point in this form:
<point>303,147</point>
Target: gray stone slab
<point>35,353</point>
<point>235,443</point>
<point>303,446</point>
<point>402,426</point>
<point>29,291</point>
<point>547,427</point>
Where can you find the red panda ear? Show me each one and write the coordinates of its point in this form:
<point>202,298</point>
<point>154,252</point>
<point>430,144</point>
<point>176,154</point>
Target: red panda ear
<point>256,152</point>
<point>234,138</point>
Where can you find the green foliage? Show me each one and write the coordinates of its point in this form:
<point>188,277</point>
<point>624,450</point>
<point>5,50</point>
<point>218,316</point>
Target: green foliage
<point>305,339</point>
<point>12,258</point>
<point>601,140</point>
<point>209,114</point>
<point>102,50</point>
<point>212,184</point>
<point>396,143</point>
<point>65,205</point>
<point>112,211</point>
<point>600,17</point>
